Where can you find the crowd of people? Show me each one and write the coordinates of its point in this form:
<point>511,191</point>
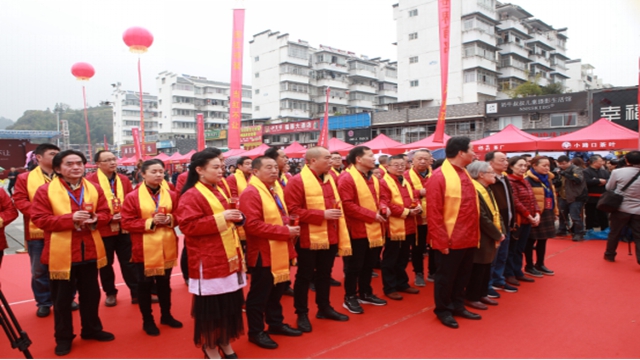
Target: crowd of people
<point>476,222</point>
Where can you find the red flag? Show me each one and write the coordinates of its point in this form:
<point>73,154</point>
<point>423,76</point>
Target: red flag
<point>444,15</point>
<point>200,124</point>
<point>135,133</point>
<point>323,140</point>
<point>638,114</point>
<point>235,96</point>
<point>106,146</point>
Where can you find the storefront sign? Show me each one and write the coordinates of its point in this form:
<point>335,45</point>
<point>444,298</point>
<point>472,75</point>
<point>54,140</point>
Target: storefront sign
<point>619,106</point>
<point>537,104</point>
<point>215,134</point>
<point>291,127</point>
<point>148,148</point>
<point>250,135</point>
<point>357,136</point>
<point>165,144</point>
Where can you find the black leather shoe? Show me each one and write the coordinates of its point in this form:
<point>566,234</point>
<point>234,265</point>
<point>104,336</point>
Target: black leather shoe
<point>100,336</point>
<point>63,347</point>
<point>171,322</point>
<point>331,314</point>
<point>303,323</point>
<point>467,314</point>
<point>525,279</point>
<point>43,311</point>
<point>285,330</point>
<point>75,306</point>
<point>150,328</point>
<point>312,287</point>
<point>263,340</point>
<point>288,291</point>
<point>449,321</point>
<point>334,282</point>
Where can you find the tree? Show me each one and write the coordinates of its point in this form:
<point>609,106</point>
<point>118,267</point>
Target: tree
<point>553,88</point>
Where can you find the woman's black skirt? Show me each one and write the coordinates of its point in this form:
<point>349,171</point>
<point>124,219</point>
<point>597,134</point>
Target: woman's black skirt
<point>547,227</point>
<point>218,318</point>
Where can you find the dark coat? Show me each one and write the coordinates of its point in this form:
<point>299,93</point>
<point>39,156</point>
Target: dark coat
<point>489,234</point>
<point>592,178</point>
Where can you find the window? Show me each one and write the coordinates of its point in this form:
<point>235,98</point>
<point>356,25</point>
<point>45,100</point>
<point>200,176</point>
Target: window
<point>414,83</point>
<point>513,120</point>
<point>256,108</point>
<point>413,12</point>
<point>257,91</point>
<point>469,76</point>
<point>566,119</point>
<point>467,126</point>
<point>413,36</point>
<point>257,74</point>
<point>257,58</point>
<point>413,60</point>
<point>297,51</point>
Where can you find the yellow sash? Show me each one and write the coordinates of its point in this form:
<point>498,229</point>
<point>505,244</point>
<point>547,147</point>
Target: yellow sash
<point>491,203</point>
<point>165,185</point>
<point>314,197</point>
<point>397,231</point>
<point>105,185</point>
<point>279,249</point>
<point>160,248</point>
<point>367,201</point>
<point>416,181</point>
<point>229,236</point>
<point>284,178</point>
<point>383,170</point>
<point>452,196</point>
<point>226,186</point>
<point>35,179</point>
<point>335,171</point>
<point>60,247</point>
<point>241,181</point>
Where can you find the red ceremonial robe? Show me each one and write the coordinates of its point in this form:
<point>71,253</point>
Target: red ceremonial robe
<point>105,231</point>
<point>355,215</point>
<point>8,213</point>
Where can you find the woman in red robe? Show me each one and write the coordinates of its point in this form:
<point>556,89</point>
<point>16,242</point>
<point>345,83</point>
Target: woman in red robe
<point>147,214</point>
<point>216,266</point>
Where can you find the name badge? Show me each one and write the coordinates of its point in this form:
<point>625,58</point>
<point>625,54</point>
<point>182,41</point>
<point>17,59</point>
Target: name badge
<point>548,203</point>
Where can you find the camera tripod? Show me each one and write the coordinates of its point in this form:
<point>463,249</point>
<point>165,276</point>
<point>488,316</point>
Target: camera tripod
<point>17,337</point>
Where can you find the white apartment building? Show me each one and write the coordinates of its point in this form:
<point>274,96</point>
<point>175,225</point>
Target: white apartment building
<point>182,97</point>
<point>493,47</point>
<point>126,115</point>
<point>290,79</point>
<point>581,77</point>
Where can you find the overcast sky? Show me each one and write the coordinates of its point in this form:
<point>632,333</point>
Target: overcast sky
<point>41,40</point>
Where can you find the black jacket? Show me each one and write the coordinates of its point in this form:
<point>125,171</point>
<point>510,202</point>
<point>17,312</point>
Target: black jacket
<point>592,177</point>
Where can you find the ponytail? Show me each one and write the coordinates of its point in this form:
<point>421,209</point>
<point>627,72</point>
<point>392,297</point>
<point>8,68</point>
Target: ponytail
<point>199,159</point>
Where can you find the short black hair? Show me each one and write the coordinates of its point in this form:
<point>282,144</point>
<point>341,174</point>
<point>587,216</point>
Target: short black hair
<point>397,157</point>
<point>57,160</point>
<point>356,152</point>
<point>457,144</point>
<point>44,147</point>
<point>96,157</point>
<point>563,158</point>
<point>490,156</point>
<point>148,163</point>
<point>383,159</point>
<point>633,157</point>
<point>272,153</point>
<point>256,164</point>
<point>594,158</point>
<point>241,160</point>
<point>335,153</point>
<point>512,161</point>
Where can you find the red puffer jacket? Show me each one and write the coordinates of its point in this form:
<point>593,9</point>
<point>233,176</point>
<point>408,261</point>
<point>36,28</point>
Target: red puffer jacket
<point>524,199</point>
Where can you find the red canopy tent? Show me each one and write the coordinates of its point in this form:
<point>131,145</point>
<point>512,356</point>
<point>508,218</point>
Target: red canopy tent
<point>340,146</point>
<point>259,151</point>
<point>295,150</point>
<point>427,143</point>
<point>186,157</point>
<point>162,157</point>
<point>383,143</point>
<point>129,161</point>
<point>175,158</point>
<point>234,152</point>
<point>508,139</point>
<point>601,135</point>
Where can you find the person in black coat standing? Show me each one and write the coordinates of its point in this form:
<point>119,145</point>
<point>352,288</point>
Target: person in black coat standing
<point>596,177</point>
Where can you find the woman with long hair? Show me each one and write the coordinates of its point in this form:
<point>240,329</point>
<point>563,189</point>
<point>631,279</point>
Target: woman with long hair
<point>527,216</point>
<point>147,214</point>
<point>216,264</point>
<point>541,180</point>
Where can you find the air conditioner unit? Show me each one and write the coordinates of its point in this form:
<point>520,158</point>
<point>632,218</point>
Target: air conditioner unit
<point>285,140</point>
<point>267,141</point>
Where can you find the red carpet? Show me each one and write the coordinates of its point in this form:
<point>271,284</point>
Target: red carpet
<point>587,310</point>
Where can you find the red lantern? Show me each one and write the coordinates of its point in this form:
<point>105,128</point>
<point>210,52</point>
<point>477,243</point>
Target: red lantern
<point>137,39</point>
<point>83,71</point>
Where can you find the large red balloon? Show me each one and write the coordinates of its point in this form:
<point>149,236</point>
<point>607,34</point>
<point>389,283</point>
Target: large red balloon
<point>137,39</point>
<point>83,71</point>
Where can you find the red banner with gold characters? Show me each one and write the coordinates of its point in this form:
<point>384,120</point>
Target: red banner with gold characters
<point>200,125</point>
<point>235,96</point>
<point>135,133</point>
<point>444,19</point>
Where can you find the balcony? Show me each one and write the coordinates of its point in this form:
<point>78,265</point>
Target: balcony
<point>184,106</point>
<point>296,95</point>
<point>185,93</point>
<point>296,113</point>
<point>332,83</point>
<point>365,88</point>
<point>512,24</point>
<point>388,92</point>
<point>365,104</point>
<point>540,59</point>
<point>477,34</point>
<point>363,74</point>
<point>515,48</point>
<point>478,61</point>
<point>337,100</point>
<point>291,59</point>
<point>510,71</point>
<point>218,107</point>
<point>331,67</point>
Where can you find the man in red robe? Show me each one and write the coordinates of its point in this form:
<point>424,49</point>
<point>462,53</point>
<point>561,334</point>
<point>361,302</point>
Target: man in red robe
<point>243,165</point>
<point>8,213</point>
<point>454,229</point>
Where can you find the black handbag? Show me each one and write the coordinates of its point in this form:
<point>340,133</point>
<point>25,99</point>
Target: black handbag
<point>610,201</point>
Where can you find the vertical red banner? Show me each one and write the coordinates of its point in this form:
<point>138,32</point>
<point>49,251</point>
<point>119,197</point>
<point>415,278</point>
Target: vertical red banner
<point>135,133</point>
<point>106,146</point>
<point>323,139</point>
<point>200,130</point>
<point>444,19</point>
<point>235,93</point>
<point>638,112</point>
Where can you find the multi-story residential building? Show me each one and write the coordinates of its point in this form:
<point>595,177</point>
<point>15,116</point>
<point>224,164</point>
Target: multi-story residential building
<point>493,48</point>
<point>290,79</point>
<point>581,77</point>
<point>126,115</point>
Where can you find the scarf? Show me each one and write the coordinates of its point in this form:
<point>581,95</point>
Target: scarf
<point>546,185</point>
<point>241,181</point>
<point>335,171</point>
<point>314,197</point>
<point>160,247</point>
<point>61,241</point>
<point>368,201</point>
<point>108,189</point>
<point>279,249</point>
<point>229,236</point>
<point>416,181</point>
<point>35,179</point>
<point>452,196</point>
<point>397,231</point>
<point>490,200</point>
<point>225,187</point>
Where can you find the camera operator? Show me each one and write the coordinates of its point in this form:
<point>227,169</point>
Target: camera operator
<point>573,195</point>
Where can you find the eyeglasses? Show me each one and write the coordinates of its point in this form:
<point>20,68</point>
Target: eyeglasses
<point>398,166</point>
<point>109,160</point>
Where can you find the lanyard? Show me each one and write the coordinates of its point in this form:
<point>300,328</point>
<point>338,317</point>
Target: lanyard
<point>282,183</point>
<point>278,202</point>
<point>113,189</point>
<point>79,202</point>
<point>156,199</point>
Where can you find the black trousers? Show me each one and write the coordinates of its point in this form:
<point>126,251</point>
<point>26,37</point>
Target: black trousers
<point>595,217</point>
<point>118,245</point>
<point>263,299</point>
<point>418,250</point>
<point>395,258</point>
<point>184,263</point>
<point>478,286</point>
<point>84,277</point>
<point>360,265</point>
<point>146,286</point>
<point>618,221</point>
<point>452,277</point>
<point>316,266</point>
<point>541,250</point>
